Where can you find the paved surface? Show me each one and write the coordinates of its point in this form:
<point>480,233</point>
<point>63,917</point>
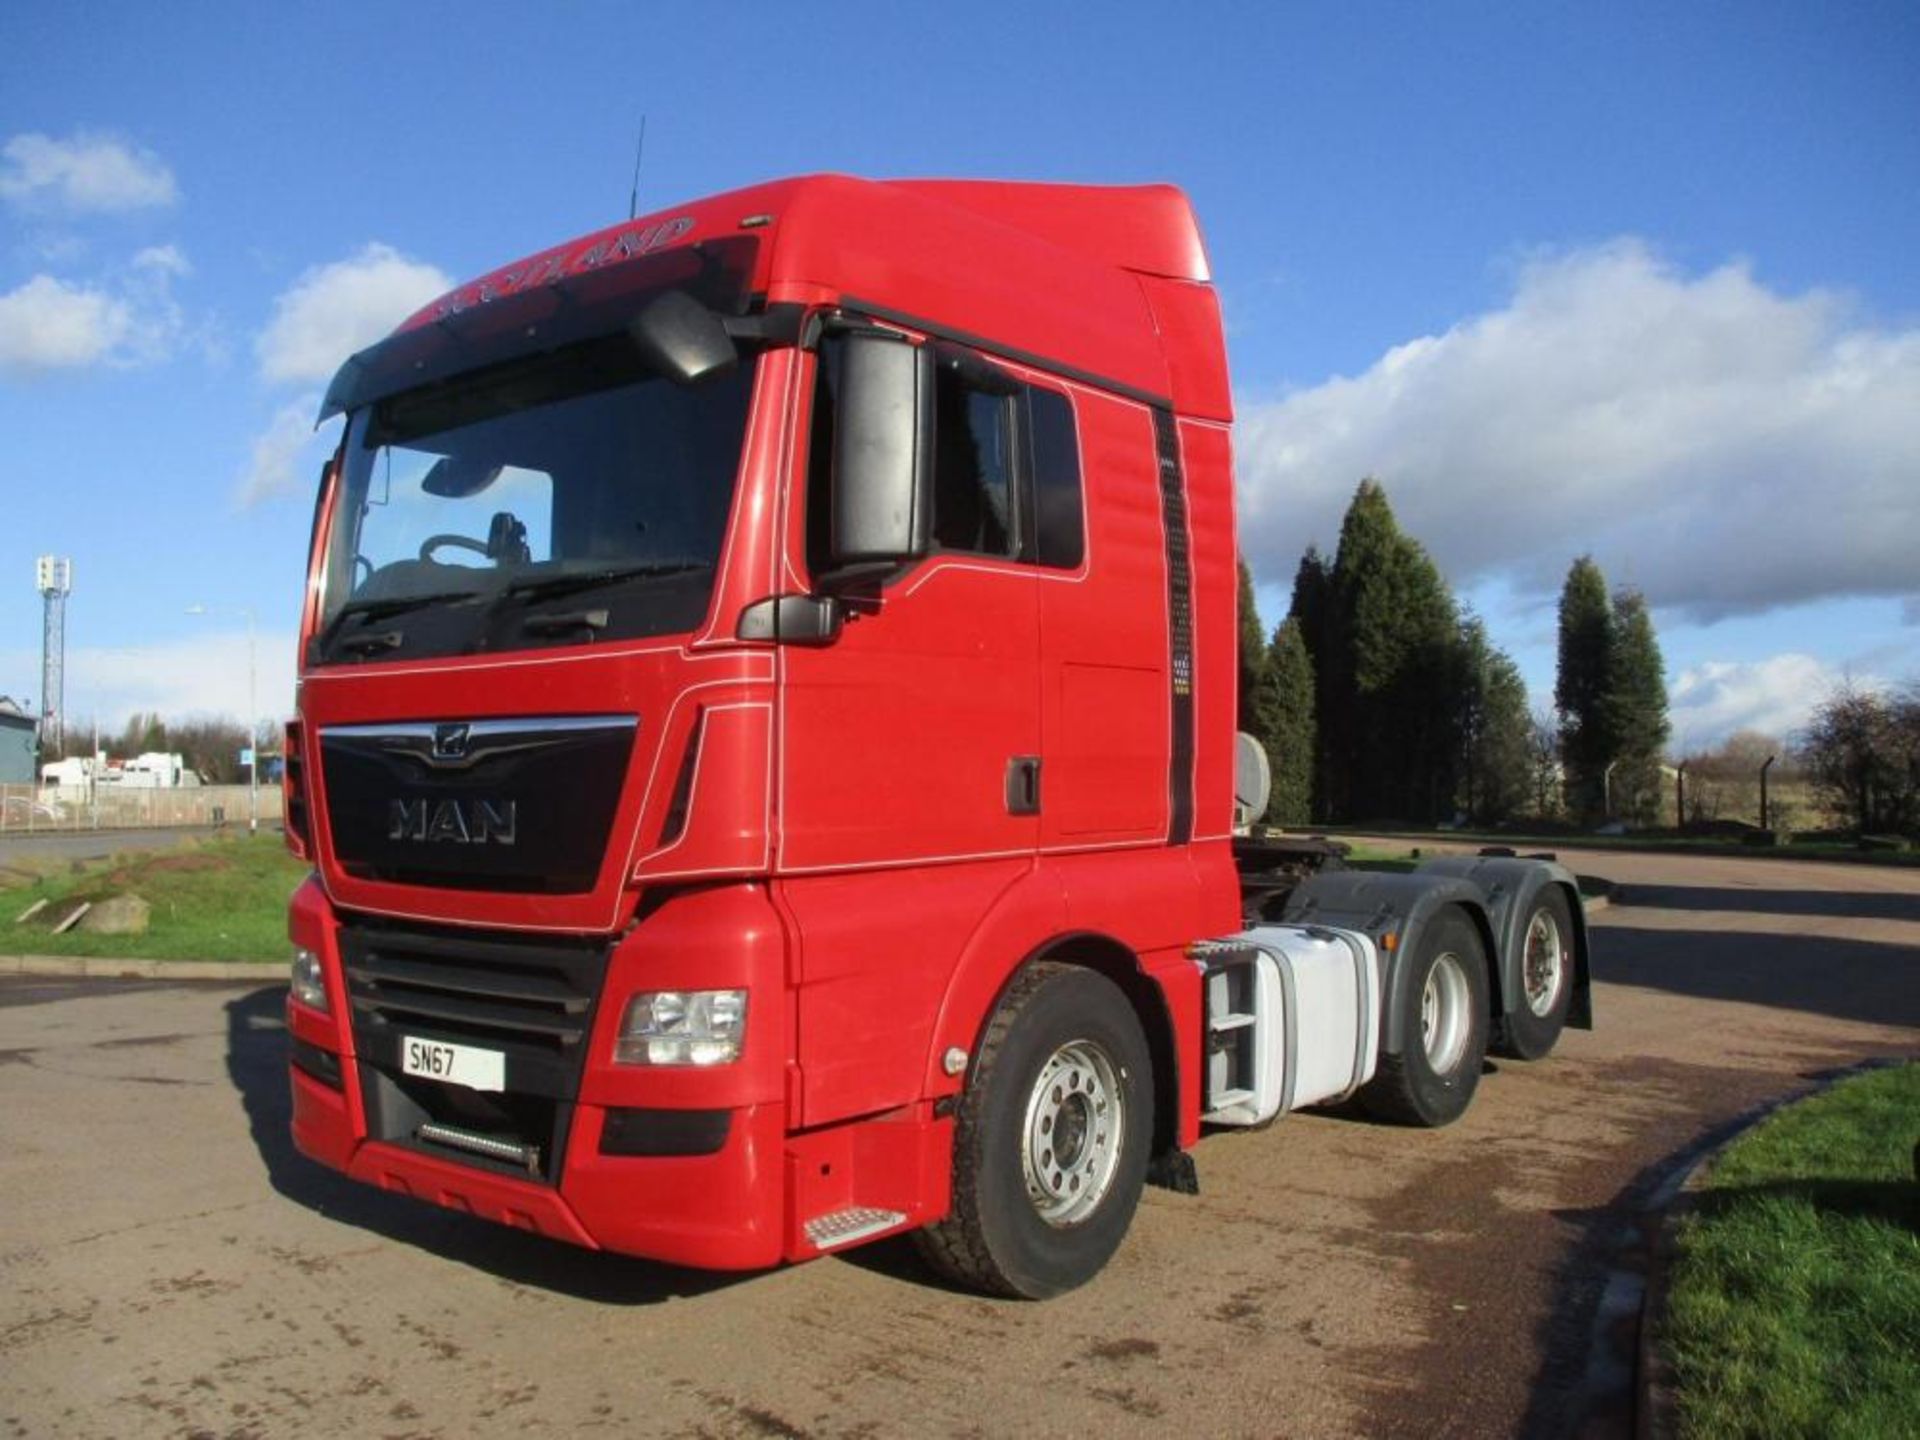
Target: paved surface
<point>18,847</point>
<point>168,1265</point>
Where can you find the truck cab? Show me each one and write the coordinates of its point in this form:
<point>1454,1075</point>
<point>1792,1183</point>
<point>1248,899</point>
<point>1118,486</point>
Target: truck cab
<point>756,659</point>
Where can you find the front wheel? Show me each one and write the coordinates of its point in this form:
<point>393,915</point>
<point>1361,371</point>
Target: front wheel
<point>1050,1140</point>
<point>1443,1028</point>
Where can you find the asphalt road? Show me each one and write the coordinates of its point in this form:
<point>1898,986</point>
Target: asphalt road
<point>171,1267</point>
<point>17,846</point>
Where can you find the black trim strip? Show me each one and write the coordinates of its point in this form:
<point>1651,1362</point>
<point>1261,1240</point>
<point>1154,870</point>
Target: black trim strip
<point>675,825</point>
<point>1173,506</point>
<point>995,347</point>
<point>322,1065</point>
<point>665,1132</point>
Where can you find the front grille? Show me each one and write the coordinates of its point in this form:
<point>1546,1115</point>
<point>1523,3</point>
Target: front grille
<point>520,806</point>
<point>530,1000</point>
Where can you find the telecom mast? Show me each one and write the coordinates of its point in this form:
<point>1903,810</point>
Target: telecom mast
<point>53,577</point>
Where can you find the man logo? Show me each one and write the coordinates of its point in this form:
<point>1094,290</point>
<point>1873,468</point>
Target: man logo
<point>450,741</point>
<point>473,822</point>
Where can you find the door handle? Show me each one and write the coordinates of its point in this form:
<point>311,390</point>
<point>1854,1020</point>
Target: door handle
<point>1023,785</point>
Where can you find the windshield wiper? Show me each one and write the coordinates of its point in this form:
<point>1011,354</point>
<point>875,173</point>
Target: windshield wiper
<point>370,610</point>
<point>367,643</point>
<point>548,586</point>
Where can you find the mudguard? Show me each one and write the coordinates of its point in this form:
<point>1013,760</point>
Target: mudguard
<point>1511,883</point>
<point>1393,910</point>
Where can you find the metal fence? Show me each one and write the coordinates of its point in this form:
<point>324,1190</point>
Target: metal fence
<point>32,808</point>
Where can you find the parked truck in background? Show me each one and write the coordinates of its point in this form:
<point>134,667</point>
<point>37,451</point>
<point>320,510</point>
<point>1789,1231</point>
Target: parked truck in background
<point>765,745</point>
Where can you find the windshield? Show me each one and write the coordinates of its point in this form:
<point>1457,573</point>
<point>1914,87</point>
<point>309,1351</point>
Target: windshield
<point>565,498</point>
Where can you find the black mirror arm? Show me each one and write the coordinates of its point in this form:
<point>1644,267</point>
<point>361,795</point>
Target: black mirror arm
<point>864,575</point>
<point>776,325</point>
<point>792,620</point>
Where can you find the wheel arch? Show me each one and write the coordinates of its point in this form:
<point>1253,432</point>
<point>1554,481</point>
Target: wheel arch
<point>1580,1008</point>
<point>1119,964</point>
<point>1511,884</point>
<point>1110,958</point>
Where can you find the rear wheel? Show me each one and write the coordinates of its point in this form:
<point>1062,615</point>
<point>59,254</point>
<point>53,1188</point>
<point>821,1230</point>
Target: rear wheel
<point>1050,1140</point>
<point>1531,1029</point>
<point>1443,1015</point>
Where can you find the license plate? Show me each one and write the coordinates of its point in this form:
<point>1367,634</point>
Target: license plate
<point>467,1065</point>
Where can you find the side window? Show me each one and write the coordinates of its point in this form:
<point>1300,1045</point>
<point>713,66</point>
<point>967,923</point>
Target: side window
<point>1006,462</point>
<point>1054,464</point>
<point>826,387</point>
<point>972,463</point>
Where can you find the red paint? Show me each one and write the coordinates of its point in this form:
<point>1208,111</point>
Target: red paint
<point>844,850</point>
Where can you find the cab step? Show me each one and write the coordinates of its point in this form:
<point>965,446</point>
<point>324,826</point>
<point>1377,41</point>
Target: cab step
<point>843,1227</point>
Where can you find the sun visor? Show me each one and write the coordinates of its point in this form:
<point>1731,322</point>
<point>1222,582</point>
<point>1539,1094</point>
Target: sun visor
<point>544,317</point>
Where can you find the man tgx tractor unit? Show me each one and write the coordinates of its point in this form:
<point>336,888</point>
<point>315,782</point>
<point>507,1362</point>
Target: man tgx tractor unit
<point>766,749</point>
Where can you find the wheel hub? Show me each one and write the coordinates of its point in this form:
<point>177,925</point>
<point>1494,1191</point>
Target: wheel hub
<point>1444,1022</point>
<point>1072,1139</point>
<point>1544,965</point>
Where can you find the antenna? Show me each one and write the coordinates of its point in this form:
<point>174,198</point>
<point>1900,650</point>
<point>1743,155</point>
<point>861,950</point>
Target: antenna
<point>639,152</point>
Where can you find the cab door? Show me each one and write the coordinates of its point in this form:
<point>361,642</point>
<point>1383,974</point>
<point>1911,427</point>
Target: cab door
<point>909,793</point>
<point>914,735</point>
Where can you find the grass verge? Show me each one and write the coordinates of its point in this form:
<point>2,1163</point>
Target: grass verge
<point>218,899</point>
<point>1794,1307</point>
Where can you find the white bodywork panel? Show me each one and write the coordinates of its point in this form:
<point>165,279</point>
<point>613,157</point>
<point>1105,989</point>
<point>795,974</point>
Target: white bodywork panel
<point>1293,1019</point>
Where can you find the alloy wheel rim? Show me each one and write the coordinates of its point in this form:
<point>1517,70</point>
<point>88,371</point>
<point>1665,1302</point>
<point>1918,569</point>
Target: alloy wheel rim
<point>1074,1131</point>
<point>1443,1014</point>
<point>1544,963</point>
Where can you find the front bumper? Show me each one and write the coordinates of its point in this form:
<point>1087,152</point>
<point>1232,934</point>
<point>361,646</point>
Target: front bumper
<point>725,1209</point>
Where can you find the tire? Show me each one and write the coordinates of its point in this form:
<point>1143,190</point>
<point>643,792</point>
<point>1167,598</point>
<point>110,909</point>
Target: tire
<point>1443,1015</point>
<point>1063,1054</point>
<point>1532,1027</point>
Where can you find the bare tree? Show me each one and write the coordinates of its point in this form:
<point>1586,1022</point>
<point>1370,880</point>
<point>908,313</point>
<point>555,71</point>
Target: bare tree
<point>1543,762</point>
<point>1862,752</point>
<point>1724,783</point>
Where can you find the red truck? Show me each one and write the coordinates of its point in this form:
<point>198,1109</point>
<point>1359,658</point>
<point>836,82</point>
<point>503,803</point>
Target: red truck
<point>765,744</point>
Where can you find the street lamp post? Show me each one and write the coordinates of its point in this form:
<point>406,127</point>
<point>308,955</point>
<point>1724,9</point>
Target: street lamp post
<point>253,718</point>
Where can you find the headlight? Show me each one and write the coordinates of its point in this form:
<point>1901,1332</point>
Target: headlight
<point>309,986</point>
<point>682,1027</point>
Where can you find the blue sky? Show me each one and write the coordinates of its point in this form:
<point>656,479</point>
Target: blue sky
<point>1630,278</point>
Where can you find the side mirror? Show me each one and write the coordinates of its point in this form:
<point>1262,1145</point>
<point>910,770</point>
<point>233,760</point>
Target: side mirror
<point>682,339</point>
<point>882,450</point>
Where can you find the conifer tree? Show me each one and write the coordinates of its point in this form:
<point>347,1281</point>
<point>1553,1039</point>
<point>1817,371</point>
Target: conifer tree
<point>1637,710</point>
<point>1312,612</point>
<point>1284,724</point>
<point>1496,731</point>
<point>1395,620</point>
<point>1587,740</point>
<point>1253,651</point>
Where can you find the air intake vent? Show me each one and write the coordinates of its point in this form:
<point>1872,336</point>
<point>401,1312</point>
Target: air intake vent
<point>532,1001</point>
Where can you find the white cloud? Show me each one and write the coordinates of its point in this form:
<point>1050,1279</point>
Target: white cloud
<point>126,317</point>
<point>163,260</point>
<point>84,172</point>
<point>333,310</point>
<point>286,456</point>
<point>1723,447</point>
<point>47,324</point>
<point>1775,696</point>
<point>203,673</point>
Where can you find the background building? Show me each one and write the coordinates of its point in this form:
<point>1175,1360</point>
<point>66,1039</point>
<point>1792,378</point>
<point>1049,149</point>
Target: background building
<point>16,744</point>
